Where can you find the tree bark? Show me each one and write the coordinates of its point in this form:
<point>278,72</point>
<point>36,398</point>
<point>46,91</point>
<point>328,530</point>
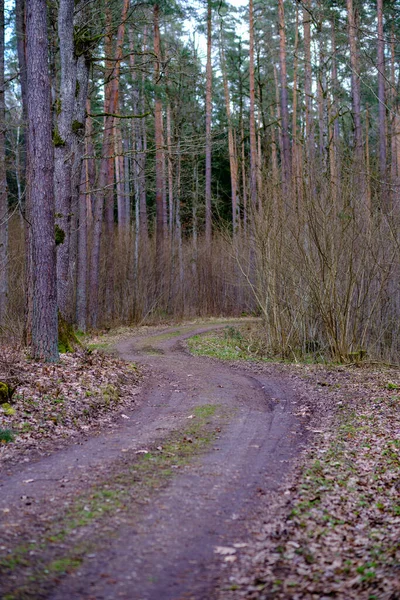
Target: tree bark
<point>3,182</point>
<point>63,147</point>
<point>382,104</point>
<point>395,129</point>
<point>41,185</point>
<point>308,82</point>
<point>208,126</point>
<point>103,194</point>
<point>286,167</point>
<point>82,270</point>
<point>355,83</point>
<point>231,145</point>
<point>68,141</point>
<point>158,133</point>
<point>252,124</point>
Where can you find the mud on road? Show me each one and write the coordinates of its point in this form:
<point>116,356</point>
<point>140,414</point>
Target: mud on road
<point>175,537</point>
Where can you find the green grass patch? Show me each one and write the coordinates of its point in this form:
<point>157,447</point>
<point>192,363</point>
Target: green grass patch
<point>6,436</point>
<point>218,345</point>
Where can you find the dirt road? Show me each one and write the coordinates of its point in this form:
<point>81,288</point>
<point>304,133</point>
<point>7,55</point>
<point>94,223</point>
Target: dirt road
<point>170,540</point>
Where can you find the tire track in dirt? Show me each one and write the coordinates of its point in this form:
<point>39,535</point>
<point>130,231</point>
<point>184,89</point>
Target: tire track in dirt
<point>168,552</point>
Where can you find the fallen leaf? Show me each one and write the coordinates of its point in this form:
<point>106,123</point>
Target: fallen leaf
<point>224,550</point>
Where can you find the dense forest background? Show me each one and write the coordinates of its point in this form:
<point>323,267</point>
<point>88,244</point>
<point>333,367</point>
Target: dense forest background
<point>202,159</point>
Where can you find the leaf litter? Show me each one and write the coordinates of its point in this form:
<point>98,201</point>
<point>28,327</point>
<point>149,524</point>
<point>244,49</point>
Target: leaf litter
<point>333,531</point>
<point>53,404</point>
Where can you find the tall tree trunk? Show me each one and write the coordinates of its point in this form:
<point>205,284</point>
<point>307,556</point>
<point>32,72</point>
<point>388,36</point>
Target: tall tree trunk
<point>170,169</point>
<point>286,170</point>
<point>139,156</point>
<point>78,148</point>
<point>106,164</point>
<point>120,178</point>
<point>231,145</point>
<point>20,11</point>
<point>395,129</point>
<point>368,196</point>
<point>158,134</point>
<point>322,103</point>
<point>382,105</point>
<point>334,134</point>
<point>308,83</point>
<point>82,270</point>
<point>21,51</point>
<point>68,141</point>
<point>41,185</point>
<point>110,98</point>
<point>3,182</point>
<point>142,180</point>
<point>208,125</point>
<point>355,83</point>
<point>296,176</point>
<point>253,143</point>
<point>63,148</point>
<point>244,180</point>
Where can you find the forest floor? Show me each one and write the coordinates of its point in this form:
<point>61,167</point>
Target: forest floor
<point>186,477</point>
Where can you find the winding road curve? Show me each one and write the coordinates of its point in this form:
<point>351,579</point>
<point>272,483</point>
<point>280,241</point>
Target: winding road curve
<point>169,552</point>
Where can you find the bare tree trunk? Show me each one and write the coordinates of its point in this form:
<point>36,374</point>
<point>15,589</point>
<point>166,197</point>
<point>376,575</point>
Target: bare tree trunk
<point>170,170</point>
<point>3,182</point>
<point>382,105</point>
<point>158,133</point>
<point>21,51</point>
<point>195,203</point>
<point>139,156</point>
<point>127,179</point>
<point>322,103</point>
<point>253,142</point>
<point>142,155</point>
<point>164,178</point>
<point>274,158</point>
<point>208,126</point>
<point>308,82</point>
<point>231,145</point>
<point>110,98</point>
<point>244,181</point>
<point>296,176</point>
<point>68,142</point>
<point>355,83</point>
<point>286,168</point>
<point>78,148</point>
<point>63,147</point>
<point>178,224</point>
<point>259,164</point>
<point>41,185</point>
<point>334,134</point>
<point>395,129</point>
<point>82,270</point>
<point>368,198</point>
<point>120,178</point>
<point>103,194</point>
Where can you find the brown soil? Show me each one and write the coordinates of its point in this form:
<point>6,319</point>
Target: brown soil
<point>178,542</point>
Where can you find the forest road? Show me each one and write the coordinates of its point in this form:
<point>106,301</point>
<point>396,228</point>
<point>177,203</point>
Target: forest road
<point>181,538</point>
